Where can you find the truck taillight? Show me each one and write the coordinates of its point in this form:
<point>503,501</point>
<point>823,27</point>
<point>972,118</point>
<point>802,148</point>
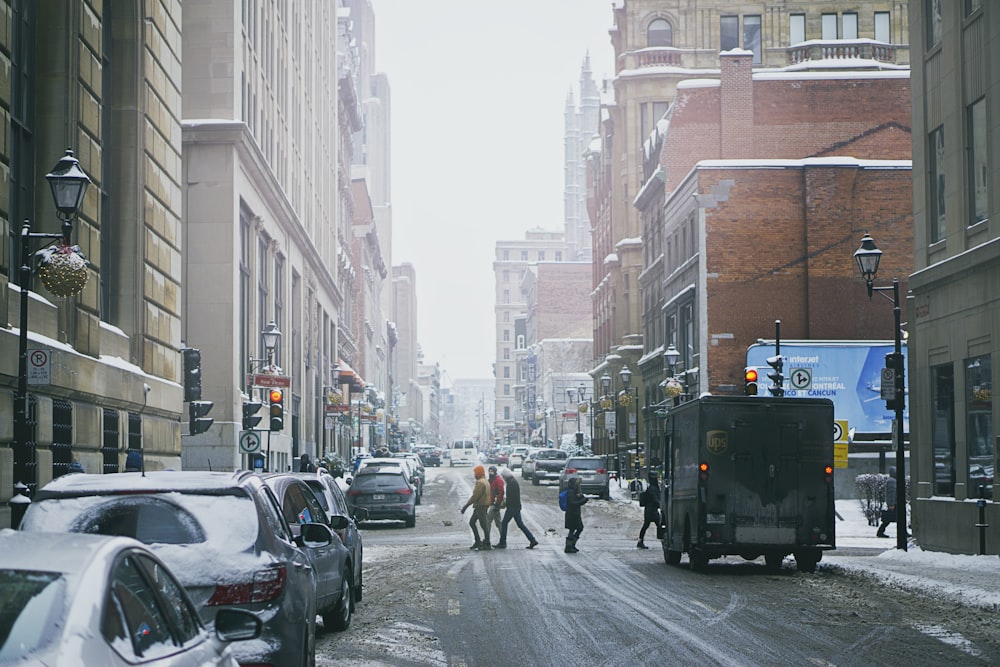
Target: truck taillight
<point>828,472</point>
<point>703,471</point>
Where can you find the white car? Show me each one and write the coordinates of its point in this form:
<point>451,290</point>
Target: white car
<point>516,456</point>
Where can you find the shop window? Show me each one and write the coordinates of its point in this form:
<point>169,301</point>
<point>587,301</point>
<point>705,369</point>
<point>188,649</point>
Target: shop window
<point>943,428</point>
<point>979,426</point>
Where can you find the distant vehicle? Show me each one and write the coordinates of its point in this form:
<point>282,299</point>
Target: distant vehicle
<point>548,465</point>
<point>516,456</point>
<point>463,453</point>
<point>749,476</point>
<point>222,535</point>
<point>74,599</point>
<point>418,466</point>
<point>528,465</point>
<point>409,467</point>
<point>592,471</point>
<point>430,455</point>
<point>384,493</point>
<point>333,565</point>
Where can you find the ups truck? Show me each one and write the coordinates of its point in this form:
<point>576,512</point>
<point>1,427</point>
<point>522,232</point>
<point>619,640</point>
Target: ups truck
<point>750,477</point>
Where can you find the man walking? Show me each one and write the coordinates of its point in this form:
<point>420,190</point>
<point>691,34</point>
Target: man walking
<point>575,500</point>
<point>496,496</point>
<point>480,502</point>
<point>513,511</point>
<point>889,514</point>
<point>649,499</point>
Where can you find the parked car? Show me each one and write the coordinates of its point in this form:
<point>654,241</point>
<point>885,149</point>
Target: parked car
<point>430,455</point>
<point>71,599</point>
<point>333,564</point>
<point>593,474</point>
<point>334,502</point>
<point>516,456</point>
<point>222,534</point>
<point>384,492</point>
<point>549,464</point>
<point>412,474</point>
<point>418,465</point>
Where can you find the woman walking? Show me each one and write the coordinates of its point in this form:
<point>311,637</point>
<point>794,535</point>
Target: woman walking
<point>574,519</point>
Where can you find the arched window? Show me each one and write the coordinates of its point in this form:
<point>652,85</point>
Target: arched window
<point>659,33</point>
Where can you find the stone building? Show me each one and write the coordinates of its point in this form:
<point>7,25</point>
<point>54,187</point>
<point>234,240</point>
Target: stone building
<point>105,82</point>
<point>954,300</point>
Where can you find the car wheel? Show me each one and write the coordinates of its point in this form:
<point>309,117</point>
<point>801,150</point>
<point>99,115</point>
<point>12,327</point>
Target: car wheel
<point>309,648</point>
<point>411,520</point>
<point>339,618</point>
<point>359,587</point>
<point>535,481</point>
<point>605,494</point>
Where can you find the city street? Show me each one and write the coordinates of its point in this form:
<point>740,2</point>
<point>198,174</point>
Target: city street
<point>429,600</point>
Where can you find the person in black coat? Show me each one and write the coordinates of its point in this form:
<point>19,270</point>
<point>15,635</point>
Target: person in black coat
<point>650,501</point>
<point>305,465</point>
<point>574,519</point>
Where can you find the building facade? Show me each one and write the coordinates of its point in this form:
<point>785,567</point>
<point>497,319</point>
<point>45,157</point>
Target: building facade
<point>954,300</point>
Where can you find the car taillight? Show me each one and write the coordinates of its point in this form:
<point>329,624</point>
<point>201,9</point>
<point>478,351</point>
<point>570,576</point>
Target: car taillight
<point>404,492</point>
<point>267,585</point>
<point>570,471</point>
<point>353,492</point>
<point>601,471</point>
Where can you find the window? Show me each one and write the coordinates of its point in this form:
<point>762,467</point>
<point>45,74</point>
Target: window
<point>935,159</point>
<point>506,354</point>
<point>729,33</point>
<point>506,276</point>
<point>506,335</point>
<point>751,37</point>
<point>979,425</point>
<point>506,413</point>
<point>659,33</point>
<point>506,390</point>
<point>979,199</point>
<point>829,26</point>
<point>524,255</point>
<point>506,372</point>
<point>558,255</point>
<point>506,316</point>
<point>506,296</point>
<point>972,6</point>
<point>882,27</point>
<point>943,429</point>
<point>849,23</point>
<point>796,29</point>
<point>506,255</point>
<point>932,21</point>
<point>541,255</point>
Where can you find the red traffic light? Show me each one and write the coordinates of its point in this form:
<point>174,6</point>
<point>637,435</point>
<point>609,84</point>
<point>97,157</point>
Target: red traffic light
<point>275,395</point>
<point>751,375</point>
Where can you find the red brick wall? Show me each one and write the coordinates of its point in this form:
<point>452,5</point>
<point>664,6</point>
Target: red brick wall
<point>564,305</point>
<point>781,248</point>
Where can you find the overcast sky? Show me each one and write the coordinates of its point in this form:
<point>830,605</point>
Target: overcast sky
<point>478,92</point>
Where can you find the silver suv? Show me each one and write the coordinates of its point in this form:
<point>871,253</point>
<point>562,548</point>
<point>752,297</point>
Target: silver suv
<point>593,474</point>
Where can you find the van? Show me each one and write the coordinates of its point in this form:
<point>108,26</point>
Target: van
<point>463,452</point>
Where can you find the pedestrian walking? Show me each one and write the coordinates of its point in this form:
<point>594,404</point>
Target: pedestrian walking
<point>649,500</point>
<point>575,500</point>
<point>305,465</point>
<point>513,511</point>
<point>888,514</point>
<point>496,496</point>
<point>480,502</point>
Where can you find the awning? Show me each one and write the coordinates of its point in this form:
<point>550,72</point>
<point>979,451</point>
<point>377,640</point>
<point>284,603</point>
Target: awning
<point>349,377</point>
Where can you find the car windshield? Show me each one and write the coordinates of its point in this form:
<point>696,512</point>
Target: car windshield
<point>378,481</point>
<point>30,606</point>
<point>225,522</point>
<point>551,454</point>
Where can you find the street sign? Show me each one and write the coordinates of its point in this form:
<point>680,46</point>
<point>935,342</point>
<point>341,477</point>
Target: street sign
<point>268,380</point>
<point>39,367</point>
<point>249,442</point>
<point>336,407</point>
<point>329,422</point>
<point>570,415</point>
<point>840,455</point>
<point>801,378</point>
<point>887,390</point>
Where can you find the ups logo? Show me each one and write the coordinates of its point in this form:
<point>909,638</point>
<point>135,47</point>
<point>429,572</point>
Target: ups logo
<point>717,441</point>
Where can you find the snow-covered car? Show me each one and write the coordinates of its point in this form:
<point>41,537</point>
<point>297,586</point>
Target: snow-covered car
<point>74,599</point>
<point>222,535</point>
<point>516,457</point>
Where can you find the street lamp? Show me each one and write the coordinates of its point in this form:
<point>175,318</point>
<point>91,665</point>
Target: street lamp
<point>868,257</point>
<point>69,186</point>
<point>626,375</point>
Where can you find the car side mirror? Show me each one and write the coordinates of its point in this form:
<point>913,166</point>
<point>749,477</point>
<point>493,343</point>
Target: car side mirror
<point>314,535</point>
<point>339,522</point>
<point>361,514</point>
<point>233,625</point>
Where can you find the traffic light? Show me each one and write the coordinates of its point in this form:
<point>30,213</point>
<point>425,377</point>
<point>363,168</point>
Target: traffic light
<point>777,378</point>
<point>192,373</point>
<point>250,416</point>
<point>893,385</point>
<point>197,411</point>
<point>750,382</point>
<point>277,399</point>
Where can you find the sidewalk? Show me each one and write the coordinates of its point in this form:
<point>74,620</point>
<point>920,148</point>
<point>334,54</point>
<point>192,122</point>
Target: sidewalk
<point>969,580</point>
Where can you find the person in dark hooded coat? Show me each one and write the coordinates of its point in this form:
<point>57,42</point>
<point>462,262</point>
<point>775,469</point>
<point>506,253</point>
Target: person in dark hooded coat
<point>650,501</point>
<point>574,518</point>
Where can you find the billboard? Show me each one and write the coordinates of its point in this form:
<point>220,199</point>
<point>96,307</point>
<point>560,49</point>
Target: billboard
<point>847,372</point>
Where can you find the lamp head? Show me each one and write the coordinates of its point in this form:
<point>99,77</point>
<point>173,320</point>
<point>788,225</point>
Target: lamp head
<point>672,355</point>
<point>271,335</point>
<point>69,185</point>
<point>868,257</point>
<point>626,375</point>
<point>606,382</point>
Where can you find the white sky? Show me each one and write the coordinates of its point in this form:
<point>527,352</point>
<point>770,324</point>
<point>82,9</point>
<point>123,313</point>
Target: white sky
<point>478,92</point>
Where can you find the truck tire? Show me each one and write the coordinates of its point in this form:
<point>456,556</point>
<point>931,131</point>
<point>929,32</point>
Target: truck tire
<point>774,560</point>
<point>806,560</point>
<point>535,481</point>
<point>671,557</point>
<point>697,560</point>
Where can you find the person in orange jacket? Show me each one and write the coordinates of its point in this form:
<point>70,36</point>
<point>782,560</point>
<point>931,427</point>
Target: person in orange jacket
<point>480,502</point>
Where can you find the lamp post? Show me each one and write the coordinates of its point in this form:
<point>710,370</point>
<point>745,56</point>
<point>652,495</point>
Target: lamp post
<point>582,391</point>
<point>868,257</point>
<point>626,375</point>
<point>69,185</point>
<point>605,391</point>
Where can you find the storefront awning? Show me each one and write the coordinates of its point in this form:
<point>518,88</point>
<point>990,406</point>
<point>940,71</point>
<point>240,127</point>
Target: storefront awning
<point>349,377</point>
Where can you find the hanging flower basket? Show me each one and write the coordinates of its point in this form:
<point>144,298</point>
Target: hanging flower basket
<point>673,388</point>
<point>63,269</point>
